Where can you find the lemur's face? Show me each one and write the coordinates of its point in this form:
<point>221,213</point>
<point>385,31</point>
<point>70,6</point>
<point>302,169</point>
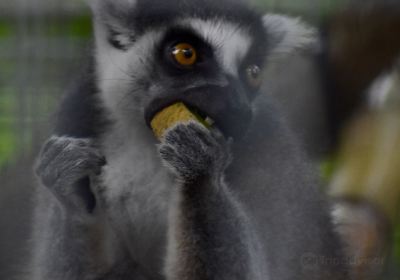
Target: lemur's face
<point>152,54</point>
<point>213,66</point>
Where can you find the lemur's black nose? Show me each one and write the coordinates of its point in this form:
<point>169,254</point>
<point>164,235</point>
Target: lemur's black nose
<point>225,105</point>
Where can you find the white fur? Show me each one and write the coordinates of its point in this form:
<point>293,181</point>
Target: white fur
<point>98,4</point>
<point>229,40</point>
<point>118,69</point>
<point>134,172</point>
<point>289,35</point>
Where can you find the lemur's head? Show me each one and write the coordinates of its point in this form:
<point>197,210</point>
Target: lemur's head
<point>208,54</point>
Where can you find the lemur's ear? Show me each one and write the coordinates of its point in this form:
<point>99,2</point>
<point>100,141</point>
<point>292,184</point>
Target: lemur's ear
<point>111,20</point>
<point>288,35</point>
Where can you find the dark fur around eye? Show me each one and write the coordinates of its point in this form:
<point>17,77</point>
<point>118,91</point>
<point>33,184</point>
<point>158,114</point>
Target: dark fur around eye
<point>180,35</point>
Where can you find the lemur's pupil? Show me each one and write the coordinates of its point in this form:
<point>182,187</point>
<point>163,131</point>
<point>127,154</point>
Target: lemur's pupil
<point>188,53</point>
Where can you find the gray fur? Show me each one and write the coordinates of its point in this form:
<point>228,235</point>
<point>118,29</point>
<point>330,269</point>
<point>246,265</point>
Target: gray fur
<point>200,206</point>
<point>204,206</point>
<point>191,151</point>
<point>66,160</point>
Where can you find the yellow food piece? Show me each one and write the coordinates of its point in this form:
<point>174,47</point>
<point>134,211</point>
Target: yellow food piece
<point>170,116</point>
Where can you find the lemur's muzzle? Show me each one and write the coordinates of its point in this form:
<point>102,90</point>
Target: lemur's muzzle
<point>226,106</point>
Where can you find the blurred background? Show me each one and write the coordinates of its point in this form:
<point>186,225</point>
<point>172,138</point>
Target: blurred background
<point>345,110</point>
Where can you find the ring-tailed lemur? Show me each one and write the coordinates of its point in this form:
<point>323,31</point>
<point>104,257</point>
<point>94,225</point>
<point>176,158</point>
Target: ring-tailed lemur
<point>236,201</point>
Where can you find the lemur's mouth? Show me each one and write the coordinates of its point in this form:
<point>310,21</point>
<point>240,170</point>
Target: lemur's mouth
<point>201,115</point>
<point>157,106</point>
<point>177,113</point>
<point>218,107</point>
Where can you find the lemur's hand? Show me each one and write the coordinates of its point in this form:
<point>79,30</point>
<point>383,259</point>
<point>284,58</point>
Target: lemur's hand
<point>65,165</point>
<point>193,151</point>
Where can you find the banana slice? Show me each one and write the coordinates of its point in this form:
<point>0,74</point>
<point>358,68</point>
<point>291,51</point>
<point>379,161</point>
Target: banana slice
<point>174,114</point>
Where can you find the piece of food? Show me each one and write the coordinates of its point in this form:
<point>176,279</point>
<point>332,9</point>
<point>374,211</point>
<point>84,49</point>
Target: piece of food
<point>172,115</point>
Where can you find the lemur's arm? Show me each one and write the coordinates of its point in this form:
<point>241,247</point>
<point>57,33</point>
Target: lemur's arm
<point>208,238</point>
<point>71,233</point>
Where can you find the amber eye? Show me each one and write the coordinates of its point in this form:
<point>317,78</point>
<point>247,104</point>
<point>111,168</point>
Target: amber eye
<point>184,54</point>
<point>253,76</point>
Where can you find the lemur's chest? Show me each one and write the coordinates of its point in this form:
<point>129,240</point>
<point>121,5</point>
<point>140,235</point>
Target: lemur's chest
<point>136,189</point>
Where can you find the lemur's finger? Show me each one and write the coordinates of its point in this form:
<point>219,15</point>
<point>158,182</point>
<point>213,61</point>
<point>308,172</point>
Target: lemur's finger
<point>66,159</point>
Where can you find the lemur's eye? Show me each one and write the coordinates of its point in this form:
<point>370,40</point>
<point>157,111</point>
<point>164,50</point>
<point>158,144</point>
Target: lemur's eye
<point>184,54</point>
<point>253,76</point>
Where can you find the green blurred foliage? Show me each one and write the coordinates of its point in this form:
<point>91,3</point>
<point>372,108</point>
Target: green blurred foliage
<point>7,126</point>
<point>76,27</point>
<point>16,131</point>
<point>6,29</point>
<point>7,101</point>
